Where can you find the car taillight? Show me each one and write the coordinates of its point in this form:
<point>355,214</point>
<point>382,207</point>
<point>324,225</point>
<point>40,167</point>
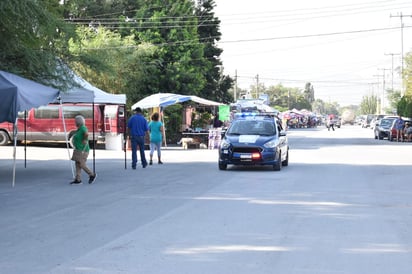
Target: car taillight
<point>255,155</point>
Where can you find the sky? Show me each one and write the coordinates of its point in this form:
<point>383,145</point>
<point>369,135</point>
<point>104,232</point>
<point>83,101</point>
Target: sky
<point>347,49</point>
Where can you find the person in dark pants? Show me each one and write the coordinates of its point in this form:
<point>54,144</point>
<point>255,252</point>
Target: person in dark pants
<point>138,128</point>
<point>330,124</point>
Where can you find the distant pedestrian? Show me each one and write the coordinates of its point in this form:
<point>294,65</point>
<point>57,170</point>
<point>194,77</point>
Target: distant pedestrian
<point>156,137</point>
<point>399,125</point>
<point>81,151</point>
<point>216,121</point>
<point>138,127</point>
<point>330,124</point>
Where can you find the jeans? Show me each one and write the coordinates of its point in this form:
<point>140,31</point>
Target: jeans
<point>138,141</point>
<point>157,146</point>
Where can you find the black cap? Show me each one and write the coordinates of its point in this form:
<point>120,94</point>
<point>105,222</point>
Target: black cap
<point>137,109</point>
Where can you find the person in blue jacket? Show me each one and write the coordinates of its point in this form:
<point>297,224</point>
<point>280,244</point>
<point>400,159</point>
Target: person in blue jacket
<point>138,127</point>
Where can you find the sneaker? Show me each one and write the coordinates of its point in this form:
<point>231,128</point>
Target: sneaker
<point>150,162</point>
<point>92,178</point>
<point>144,165</point>
<point>160,163</point>
<point>75,182</point>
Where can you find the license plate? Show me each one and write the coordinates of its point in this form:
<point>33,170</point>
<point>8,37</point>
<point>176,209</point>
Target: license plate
<point>245,156</point>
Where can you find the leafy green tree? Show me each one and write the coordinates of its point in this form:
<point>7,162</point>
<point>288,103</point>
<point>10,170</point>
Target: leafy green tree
<point>176,66</point>
<point>369,104</point>
<point>300,102</point>
<point>393,96</point>
<point>185,58</point>
<point>217,84</point>
<point>318,106</point>
<point>323,108</point>
<point>225,84</point>
<point>108,60</point>
<point>33,39</point>
<point>309,93</point>
<point>281,96</point>
<point>407,75</point>
<point>332,108</point>
<point>98,12</point>
<point>255,90</point>
<point>405,106</point>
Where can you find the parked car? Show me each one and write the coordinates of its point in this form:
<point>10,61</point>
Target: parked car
<point>383,127</point>
<point>375,121</point>
<point>360,120</point>
<point>367,120</point>
<point>255,139</point>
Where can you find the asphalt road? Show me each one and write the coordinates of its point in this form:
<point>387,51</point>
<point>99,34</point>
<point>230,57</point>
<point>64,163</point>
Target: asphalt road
<point>343,205</point>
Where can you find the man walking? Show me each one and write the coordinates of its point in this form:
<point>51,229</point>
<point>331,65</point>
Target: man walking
<point>138,127</point>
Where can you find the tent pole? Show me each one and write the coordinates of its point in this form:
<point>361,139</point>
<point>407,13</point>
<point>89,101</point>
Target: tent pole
<point>164,127</point>
<point>25,138</point>
<point>125,137</point>
<point>14,151</point>
<point>65,136</point>
<point>94,146</point>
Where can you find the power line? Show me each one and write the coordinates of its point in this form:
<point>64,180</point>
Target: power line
<point>285,13</point>
<point>188,42</point>
<point>330,82</point>
<point>312,35</point>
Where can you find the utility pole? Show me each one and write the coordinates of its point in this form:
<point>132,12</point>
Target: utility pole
<point>392,54</point>
<point>288,99</point>
<point>372,91</point>
<point>383,90</point>
<point>257,86</point>
<point>402,68</point>
<point>235,89</point>
<point>377,97</point>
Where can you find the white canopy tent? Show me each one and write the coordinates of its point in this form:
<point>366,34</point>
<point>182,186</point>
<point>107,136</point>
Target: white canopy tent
<point>163,100</point>
<point>87,93</point>
<point>167,99</point>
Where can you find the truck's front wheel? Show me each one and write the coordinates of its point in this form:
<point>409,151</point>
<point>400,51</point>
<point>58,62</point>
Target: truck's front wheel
<point>4,138</point>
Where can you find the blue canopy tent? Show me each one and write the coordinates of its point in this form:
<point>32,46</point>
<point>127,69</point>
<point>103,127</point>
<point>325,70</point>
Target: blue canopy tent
<point>20,94</point>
